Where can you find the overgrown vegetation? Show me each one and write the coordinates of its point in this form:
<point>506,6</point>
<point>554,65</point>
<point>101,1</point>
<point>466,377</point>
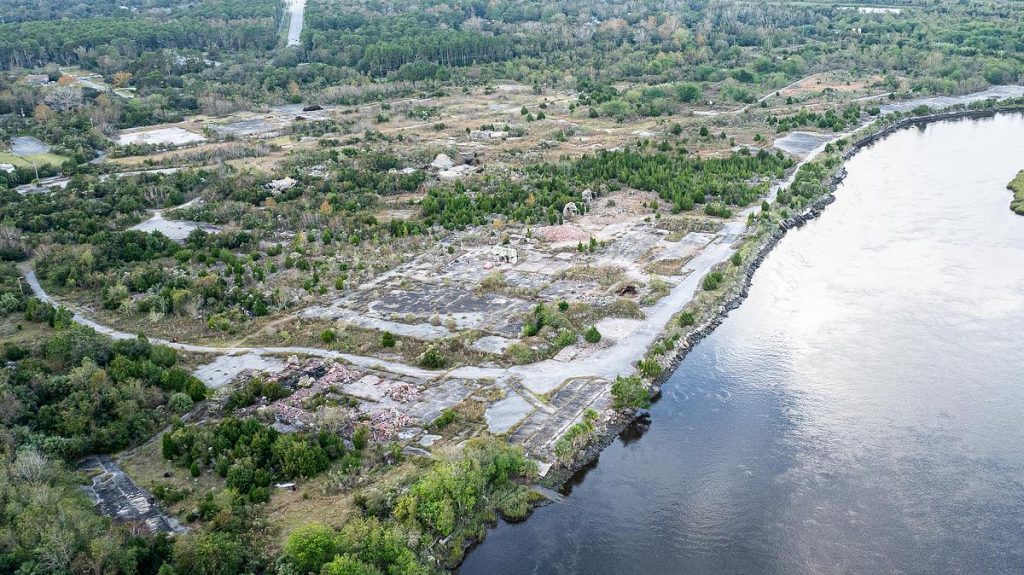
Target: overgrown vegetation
<point>1016,185</point>
<point>630,393</point>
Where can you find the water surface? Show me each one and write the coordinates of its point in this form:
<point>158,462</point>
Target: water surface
<point>860,413</point>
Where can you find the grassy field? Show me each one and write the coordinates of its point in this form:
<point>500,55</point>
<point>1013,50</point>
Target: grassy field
<point>26,161</point>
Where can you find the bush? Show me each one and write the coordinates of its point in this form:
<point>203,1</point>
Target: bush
<point>592,335</point>
<point>446,418</point>
<point>310,547</point>
<point>387,339</point>
<point>328,336</point>
<point>649,367</point>
<point>736,259</point>
<point>432,359</point>
<point>163,356</point>
<point>520,354</point>
<point>361,437</point>
<point>712,281</point>
<point>687,318</point>
<point>630,393</point>
<point>180,403</point>
<point>565,337</point>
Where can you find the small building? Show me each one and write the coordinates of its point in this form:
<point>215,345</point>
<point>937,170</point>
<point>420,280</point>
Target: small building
<point>505,255</point>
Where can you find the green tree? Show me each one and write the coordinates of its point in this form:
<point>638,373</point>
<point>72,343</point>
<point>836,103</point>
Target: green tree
<point>209,553</point>
<point>311,546</point>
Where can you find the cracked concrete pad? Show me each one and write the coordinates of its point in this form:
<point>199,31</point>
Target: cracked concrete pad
<point>493,344</point>
<point>504,414</point>
<point>436,399</point>
<point>117,496</point>
<point>617,327</point>
<point>225,368</point>
<point>424,331</point>
<point>428,440</point>
<point>173,136</point>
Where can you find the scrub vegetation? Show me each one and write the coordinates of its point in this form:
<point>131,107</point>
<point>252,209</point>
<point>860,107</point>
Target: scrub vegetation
<point>1016,186</point>
<point>430,185</point>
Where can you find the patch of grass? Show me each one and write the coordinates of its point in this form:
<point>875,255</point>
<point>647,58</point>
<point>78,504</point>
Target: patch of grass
<point>447,417</point>
<point>605,275</point>
<point>26,161</point>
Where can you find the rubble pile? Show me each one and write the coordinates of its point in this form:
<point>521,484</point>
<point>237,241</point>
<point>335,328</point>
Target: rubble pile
<point>386,423</point>
<point>403,393</point>
<point>313,378</point>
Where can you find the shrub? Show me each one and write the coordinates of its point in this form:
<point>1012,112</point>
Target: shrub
<point>361,437</point>
<point>163,356</point>
<point>328,336</point>
<point>592,335</point>
<point>649,367</point>
<point>687,318</point>
<point>387,339</point>
<point>446,418</point>
<point>712,281</point>
<point>180,402</point>
<point>565,337</point>
<point>432,359</point>
<point>310,547</point>
<point>493,281</point>
<point>736,259</point>
<point>630,393</point>
<point>519,353</point>
<point>718,209</point>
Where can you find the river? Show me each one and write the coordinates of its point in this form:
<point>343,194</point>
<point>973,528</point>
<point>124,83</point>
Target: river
<point>861,412</point>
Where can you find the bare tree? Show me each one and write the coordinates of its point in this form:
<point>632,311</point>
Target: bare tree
<point>64,98</point>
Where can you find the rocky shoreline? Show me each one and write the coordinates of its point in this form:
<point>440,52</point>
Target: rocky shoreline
<point>559,477</point>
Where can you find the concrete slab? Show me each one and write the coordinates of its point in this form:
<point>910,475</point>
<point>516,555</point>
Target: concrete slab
<point>428,440</point>
<point>161,136</point>
<point>225,368</point>
<point>493,344</point>
<point>505,414</point>
<point>117,496</point>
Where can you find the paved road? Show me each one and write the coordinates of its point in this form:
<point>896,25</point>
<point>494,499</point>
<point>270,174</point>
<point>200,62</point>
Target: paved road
<point>296,11</point>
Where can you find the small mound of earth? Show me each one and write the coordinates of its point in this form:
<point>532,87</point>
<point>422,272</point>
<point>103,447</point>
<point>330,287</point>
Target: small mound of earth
<point>563,233</point>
